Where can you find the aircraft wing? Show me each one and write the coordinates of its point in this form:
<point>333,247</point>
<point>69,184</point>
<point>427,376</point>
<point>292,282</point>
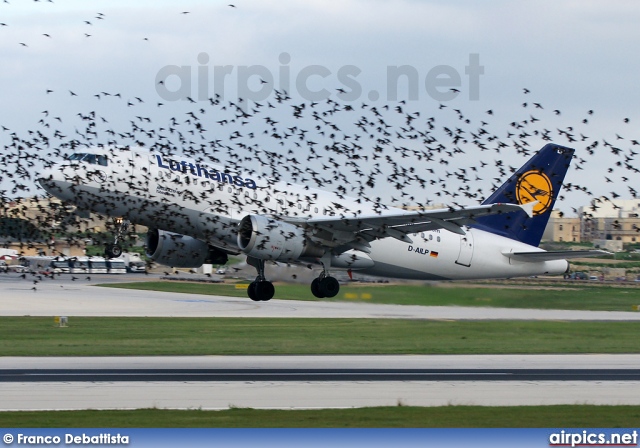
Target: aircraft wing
<point>554,255</point>
<point>344,233</point>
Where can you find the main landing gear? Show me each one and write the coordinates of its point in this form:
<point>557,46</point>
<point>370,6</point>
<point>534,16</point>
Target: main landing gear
<point>260,290</point>
<point>114,250</point>
<point>325,285</point>
<point>322,287</point>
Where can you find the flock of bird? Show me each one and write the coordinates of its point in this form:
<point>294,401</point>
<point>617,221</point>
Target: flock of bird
<point>400,153</point>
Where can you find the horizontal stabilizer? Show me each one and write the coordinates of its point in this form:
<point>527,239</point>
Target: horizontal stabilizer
<point>539,256</point>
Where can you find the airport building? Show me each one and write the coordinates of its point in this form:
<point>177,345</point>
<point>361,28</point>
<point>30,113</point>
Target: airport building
<point>36,226</point>
<point>561,229</point>
<point>617,220</point>
<point>608,225</point>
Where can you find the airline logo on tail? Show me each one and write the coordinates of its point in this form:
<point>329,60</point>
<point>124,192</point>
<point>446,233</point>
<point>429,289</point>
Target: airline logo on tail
<point>535,186</point>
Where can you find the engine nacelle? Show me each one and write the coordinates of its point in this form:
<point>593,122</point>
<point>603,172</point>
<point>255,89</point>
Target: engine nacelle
<point>269,239</point>
<point>180,251</point>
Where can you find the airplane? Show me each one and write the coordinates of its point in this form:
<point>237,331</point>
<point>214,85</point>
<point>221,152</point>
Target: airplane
<point>198,212</point>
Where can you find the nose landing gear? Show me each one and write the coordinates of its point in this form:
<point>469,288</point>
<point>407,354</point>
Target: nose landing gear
<point>114,250</point>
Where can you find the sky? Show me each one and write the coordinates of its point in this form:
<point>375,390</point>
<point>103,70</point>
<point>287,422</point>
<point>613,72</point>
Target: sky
<point>571,57</point>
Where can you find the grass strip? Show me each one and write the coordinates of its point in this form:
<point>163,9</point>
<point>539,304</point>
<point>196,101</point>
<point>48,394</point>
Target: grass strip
<point>109,336</point>
<point>579,297</point>
<point>575,416</point>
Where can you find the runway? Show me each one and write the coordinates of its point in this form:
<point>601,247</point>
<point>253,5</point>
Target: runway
<point>306,382</point>
<point>285,375</point>
<point>295,382</point>
<point>62,297</point>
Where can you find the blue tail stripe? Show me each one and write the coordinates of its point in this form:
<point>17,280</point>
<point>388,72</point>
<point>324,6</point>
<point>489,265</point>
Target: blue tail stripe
<point>540,179</point>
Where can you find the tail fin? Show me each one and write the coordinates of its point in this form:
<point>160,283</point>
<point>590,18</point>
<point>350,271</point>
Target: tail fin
<point>539,180</point>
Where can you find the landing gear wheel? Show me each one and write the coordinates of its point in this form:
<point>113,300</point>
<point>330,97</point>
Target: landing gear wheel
<point>112,251</point>
<point>315,288</point>
<point>329,287</point>
<point>251,291</point>
<point>265,290</point>
<point>261,291</point>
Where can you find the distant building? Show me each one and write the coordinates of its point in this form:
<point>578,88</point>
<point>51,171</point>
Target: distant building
<point>561,229</point>
<point>616,220</point>
<point>46,226</point>
<point>52,215</point>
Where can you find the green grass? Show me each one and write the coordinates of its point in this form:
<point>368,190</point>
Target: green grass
<point>379,417</point>
<point>103,336</point>
<point>574,297</point>
<point>597,266</point>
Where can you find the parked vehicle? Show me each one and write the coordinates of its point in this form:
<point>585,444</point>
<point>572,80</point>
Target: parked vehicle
<point>47,265</point>
<point>116,266</point>
<point>70,265</point>
<point>18,268</point>
<point>133,262</point>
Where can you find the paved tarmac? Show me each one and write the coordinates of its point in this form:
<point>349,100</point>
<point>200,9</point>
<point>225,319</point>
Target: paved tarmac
<point>451,389</point>
<point>310,395</point>
<point>62,297</point>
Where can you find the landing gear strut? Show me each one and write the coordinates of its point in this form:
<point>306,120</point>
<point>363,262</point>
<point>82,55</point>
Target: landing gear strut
<point>260,290</point>
<point>325,285</point>
<point>114,250</point>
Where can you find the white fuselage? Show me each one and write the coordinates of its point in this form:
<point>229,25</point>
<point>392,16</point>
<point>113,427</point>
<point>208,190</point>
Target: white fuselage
<point>199,200</point>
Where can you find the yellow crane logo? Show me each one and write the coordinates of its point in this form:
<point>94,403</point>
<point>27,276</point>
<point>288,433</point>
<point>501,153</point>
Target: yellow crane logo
<point>535,186</point>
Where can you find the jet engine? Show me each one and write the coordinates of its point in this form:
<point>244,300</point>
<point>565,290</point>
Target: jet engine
<point>180,251</point>
<point>269,239</point>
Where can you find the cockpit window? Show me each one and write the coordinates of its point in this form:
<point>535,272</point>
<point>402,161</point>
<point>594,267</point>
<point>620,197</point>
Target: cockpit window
<point>92,159</point>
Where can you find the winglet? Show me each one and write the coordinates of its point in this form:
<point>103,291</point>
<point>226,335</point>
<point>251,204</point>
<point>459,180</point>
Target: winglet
<point>528,208</point>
